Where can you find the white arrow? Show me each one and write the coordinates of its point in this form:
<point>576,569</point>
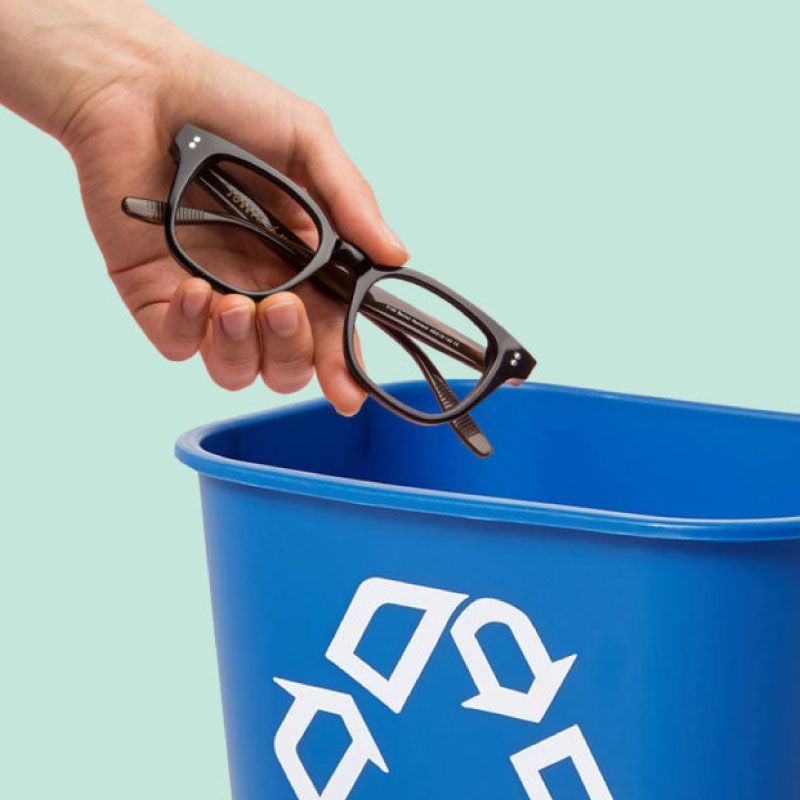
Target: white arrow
<point>571,744</point>
<point>493,698</point>
<point>308,701</point>
<point>438,606</point>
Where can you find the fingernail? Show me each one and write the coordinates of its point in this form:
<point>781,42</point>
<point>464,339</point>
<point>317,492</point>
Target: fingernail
<point>283,319</point>
<point>194,301</point>
<point>392,236</point>
<point>515,382</point>
<point>352,394</point>
<point>236,322</point>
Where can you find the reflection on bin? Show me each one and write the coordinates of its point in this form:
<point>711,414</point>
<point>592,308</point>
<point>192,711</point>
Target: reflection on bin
<point>607,607</point>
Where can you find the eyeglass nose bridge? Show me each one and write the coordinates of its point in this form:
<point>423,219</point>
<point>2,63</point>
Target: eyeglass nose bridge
<point>350,256</point>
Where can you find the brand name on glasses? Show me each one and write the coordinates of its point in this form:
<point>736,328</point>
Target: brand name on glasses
<point>418,323</point>
<point>259,217</point>
<point>243,205</point>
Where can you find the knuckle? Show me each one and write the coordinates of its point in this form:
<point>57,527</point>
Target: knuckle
<point>328,329</point>
<point>365,187</point>
<point>314,118</point>
<point>233,362</point>
<point>289,358</point>
<point>182,340</point>
<point>231,370</point>
<point>291,361</point>
<point>320,119</point>
<point>236,359</point>
<point>287,380</point>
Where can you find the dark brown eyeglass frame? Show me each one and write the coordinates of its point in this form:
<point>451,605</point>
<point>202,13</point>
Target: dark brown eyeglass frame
<point>341,269</point>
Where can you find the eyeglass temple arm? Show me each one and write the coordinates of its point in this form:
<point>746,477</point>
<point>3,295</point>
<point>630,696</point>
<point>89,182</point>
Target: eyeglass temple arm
<point>217,183</point>
<point>464,425</point>
<point>336,279</point>
<point>392,310</point>
<point>379,306</point>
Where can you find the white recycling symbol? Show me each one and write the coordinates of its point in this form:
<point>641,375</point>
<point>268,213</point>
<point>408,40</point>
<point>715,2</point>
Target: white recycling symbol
<point>308,702</point>
<point>438,607</point>
<point>492,697</point>
<point>569,744</point>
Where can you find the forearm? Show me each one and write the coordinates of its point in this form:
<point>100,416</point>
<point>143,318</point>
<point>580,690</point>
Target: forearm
<point>56,55</point>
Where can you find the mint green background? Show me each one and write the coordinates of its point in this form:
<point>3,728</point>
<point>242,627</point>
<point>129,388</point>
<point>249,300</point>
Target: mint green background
<point>616,181</point>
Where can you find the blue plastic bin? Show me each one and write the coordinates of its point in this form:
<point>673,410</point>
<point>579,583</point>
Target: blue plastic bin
<point>607,607</point>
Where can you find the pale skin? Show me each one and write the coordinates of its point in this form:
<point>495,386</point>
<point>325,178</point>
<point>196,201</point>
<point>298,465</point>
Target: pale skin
<point>113,82</point>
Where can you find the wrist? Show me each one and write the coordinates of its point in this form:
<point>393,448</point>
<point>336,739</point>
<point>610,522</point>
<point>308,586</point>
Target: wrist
<point>59,57</point>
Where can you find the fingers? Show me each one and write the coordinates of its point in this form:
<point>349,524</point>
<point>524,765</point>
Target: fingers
<point>276,339</point>
<point>336,182</point>
<point>327,325</point>
<point>287,359</point>
<point>292,347</point>
<point>185,321</point>
<point>231,350</point>
<point>286,348</point>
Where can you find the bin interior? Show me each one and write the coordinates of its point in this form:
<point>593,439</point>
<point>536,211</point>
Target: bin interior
<point>553,445</point>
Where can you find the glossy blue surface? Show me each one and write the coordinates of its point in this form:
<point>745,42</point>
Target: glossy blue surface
<point>658,541</point>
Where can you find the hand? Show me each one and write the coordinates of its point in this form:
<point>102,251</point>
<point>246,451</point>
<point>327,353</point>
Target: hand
<point>117,114</point>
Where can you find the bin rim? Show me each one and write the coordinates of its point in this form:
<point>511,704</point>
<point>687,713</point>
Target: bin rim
<point>190,450</point>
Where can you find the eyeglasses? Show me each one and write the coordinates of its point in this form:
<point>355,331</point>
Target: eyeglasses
<point>267,235</point>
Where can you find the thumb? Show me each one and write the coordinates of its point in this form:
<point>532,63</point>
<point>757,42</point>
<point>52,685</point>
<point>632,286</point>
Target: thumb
<point>344,193</point>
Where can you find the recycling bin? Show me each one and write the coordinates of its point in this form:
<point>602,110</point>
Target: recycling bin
<point>608,607</point>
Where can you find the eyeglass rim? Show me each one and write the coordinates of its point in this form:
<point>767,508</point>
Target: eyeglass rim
<point>500,346</point>
<point>190,162</point>
<point>194,148</point>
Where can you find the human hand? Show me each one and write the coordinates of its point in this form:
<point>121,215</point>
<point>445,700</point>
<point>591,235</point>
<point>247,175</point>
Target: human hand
<point>124,83</point>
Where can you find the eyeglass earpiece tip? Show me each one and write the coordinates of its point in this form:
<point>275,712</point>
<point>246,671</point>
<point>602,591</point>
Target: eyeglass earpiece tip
<point>152,211</point>
<point>480,445</point>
